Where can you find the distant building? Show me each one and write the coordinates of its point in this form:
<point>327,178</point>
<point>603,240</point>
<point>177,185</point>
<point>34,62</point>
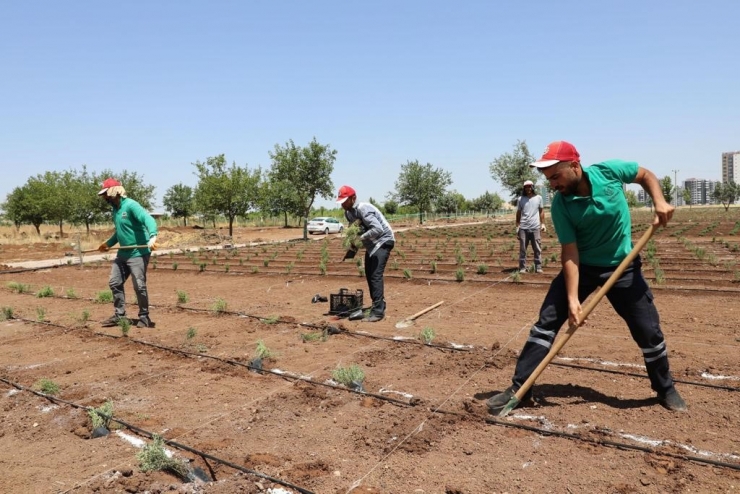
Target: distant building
<point>546,193</point>
<point>731,167</point>
<point>701,190</point>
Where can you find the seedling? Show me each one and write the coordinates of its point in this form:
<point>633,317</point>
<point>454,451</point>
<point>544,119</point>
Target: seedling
<point>153,457</point>
<point>19,287</point>
<point>433,267</point>
<point>361,271</point>
<point>84,317</point>
<point>182,297</point>
<point>460,275</point>
<point>270,320</point>
<point>174,266</point>
<point>219,306</point>
<point>351,377</point>
<point>352,237</point>
<point>6,314</point>
<point>104,297</point>
<point>312,336</point>
<point>40,314</point>
<point>71,293</point>
<point>262,352</point>
<point>191,333</point>
<point>482,268</point>
<point>427,335</point>
<point>47,386</point>
<point>125,325</point>
<point>407,274</point>
<point>100,417</point>
<point>516,277</point>
<point>322,268</point>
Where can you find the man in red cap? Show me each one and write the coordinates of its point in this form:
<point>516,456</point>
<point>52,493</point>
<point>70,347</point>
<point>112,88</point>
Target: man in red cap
<point>377,238</point>
<point>530,221</point>
<point>593,225</point>
<point>136,232</point>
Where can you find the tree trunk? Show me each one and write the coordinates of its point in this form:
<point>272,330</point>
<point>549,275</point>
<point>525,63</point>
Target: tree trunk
<point>231,226</point>
<point>184,221</point>
<point>285,213</point>
<point>87,226</point>
<point>38,228</point>
<point>61,233</point>
<point>421,217</point>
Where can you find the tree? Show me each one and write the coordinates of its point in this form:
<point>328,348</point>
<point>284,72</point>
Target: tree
<point>87,207</point>
<point>276,197</point>
<point>390,207</point>
<point>180,202</point>
<point>511,170</point>
<point>305,173</point>
<point>687,197</point>
<point>451,202</point>
<point>726,193</point>
<point>230,191</point>
<point>421,186</point>
<point>487,202</point>
<point>666,186</point>
<point>631,199</point>
<point>20,207</point>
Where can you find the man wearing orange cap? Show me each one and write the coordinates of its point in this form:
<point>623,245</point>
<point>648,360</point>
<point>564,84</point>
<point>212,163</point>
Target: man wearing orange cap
<point>377,238</point>
<point>530,220</point>
<point>136,232</point>
<point>594,227</point>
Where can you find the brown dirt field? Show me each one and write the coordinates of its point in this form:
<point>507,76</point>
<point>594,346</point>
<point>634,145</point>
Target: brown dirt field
<point>433,433</point>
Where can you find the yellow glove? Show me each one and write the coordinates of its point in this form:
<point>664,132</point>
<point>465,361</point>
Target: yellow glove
<point>104,247</point>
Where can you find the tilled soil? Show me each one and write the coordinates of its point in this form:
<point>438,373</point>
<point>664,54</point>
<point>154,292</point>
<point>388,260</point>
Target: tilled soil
<point>420,426</point>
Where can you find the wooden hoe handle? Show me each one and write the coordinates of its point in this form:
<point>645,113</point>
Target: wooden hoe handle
<point>573,327</point>
<point>424,311</point>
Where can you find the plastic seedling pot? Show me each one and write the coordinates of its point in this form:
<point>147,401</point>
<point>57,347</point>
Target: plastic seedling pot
<point>256,365</point>
<point>97,432</point>
<point>356,386</point>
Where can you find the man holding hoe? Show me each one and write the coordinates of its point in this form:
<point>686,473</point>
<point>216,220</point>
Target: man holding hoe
<point>136,232</point>
<point>593,225</point>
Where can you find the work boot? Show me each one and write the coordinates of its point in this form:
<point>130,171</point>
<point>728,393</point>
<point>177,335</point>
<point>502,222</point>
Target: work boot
<point>111,321</point>
<point>672,401</point>
<point>538,269</point>
<point>496,403</point>
<point>373,318</point>
<point>145,322</point>
<point>522,270</point>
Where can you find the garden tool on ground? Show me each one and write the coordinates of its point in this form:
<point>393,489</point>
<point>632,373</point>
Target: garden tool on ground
<point>409,321</point>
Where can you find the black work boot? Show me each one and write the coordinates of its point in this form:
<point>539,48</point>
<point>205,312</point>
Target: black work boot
<point>145,322</point>
<point>112,321</point>
<point>672,401</point>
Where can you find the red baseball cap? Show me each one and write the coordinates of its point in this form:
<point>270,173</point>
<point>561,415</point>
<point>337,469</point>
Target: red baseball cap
<point>345,192</point>
<point>556,152</point>
<point>107,184</point>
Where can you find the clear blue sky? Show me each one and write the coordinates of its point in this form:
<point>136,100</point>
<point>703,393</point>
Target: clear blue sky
<point>153,86</point>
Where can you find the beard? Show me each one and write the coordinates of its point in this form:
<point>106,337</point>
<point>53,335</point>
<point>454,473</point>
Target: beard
<point>568,189</point>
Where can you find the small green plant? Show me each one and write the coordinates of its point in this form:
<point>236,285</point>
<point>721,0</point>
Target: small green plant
<point>427,335</point>
<point>394,265</point>
<point>255,270</point>
<point>262,352</point>
<point>71,293</point>
<point>270,320</point>
<point>6,314</point>
<point>19,287</point>
<point>191,333</point>
<point>516,277</point>
<point>100,417</point>
<point>312,336</point>
<point>360,271</point>
<point>47,386</point>
<point>104,297</point>
<point>482,268</point>
<point>174,266</point>
<point>202,266</point>
<point>407,274</point>
<point>125,324</point>
<point>40,314</point>
<point>84,317</point>
<point>460,274</point>
<point>289,268</point>
<point>433,267</point>
<point>322,268</point>
<point>219,306</point>
<point>352,237</point>
<point>182,297</point>
<point>351,376</point>
<point>153,457</point>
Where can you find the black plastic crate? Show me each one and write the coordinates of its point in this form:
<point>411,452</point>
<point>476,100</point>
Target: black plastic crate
<point>345,301</point>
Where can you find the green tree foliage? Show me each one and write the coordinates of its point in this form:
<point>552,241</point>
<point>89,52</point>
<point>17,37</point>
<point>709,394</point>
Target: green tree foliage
<point>390,207</point>
<point>487,202</point>
<point>303,174</point>
<point>136,188</point>
<point>726,193</point>
<point>179,201</point>
<point>230,191</point>
<point>452,202</point>
<point>631,199</point>
<point>87,207</point>
<point>277,196</point>
<point>21,207</point>
<point>511,170</point>
<point>421,186</point>
<point>687,197</point>
<point>666,186</point>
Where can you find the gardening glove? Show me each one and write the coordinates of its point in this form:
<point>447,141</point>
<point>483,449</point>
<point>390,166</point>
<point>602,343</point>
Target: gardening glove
<point>152,243</point>
<point>543,227</point>
<point>517,229</point>
<point>349,254</point>
<point>103,247</point>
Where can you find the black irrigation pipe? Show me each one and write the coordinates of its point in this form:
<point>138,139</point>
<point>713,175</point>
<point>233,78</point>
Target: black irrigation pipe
<point>151,435</point>
<point>411,403</point>
<point>596,442</point>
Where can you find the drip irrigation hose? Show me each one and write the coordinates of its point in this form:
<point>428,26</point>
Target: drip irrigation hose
<point>413,402</point>
<point>151,435</point>
<point>597,442</point>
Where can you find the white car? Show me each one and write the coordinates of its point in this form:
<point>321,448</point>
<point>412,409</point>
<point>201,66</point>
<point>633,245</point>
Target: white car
<point>325,225</point>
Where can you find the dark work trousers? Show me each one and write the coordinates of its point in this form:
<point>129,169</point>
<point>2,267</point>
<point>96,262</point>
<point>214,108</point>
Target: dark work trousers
<point>631,298</point>
<point>120,271</point>
<point>374,268</point>
<point>527,237</point>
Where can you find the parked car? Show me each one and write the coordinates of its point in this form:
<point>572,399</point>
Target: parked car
<point>325,225</point>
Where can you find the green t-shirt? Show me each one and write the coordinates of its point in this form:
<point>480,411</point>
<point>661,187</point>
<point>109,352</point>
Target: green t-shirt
<point>599,224</point>
<point>134,226</point>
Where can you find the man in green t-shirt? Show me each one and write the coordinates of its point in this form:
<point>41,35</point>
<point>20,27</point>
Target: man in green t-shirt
<point>136,232</point>
<point>593,225</point>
